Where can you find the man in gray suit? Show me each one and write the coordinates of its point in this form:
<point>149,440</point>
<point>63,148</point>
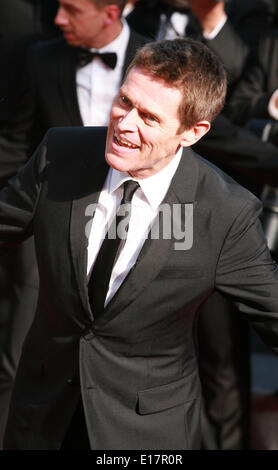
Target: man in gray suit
<point>111,356</point>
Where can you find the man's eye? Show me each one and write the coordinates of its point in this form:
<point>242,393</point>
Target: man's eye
<point>124,100</point>
<point>148,117</point>
<point>70,9</point>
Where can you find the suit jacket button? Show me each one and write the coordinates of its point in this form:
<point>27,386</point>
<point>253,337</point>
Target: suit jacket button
<point>70,381</point>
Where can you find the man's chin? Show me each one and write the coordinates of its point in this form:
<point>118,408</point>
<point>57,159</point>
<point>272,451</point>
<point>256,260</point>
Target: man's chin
<point>71,40</point>
<point>116,162</point>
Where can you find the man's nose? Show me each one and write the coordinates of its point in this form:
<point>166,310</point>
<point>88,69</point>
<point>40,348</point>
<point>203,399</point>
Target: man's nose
<point>60,18</point>
<point>129,121</point>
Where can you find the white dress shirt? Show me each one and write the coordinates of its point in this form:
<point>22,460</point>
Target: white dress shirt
<point>173,29</point>
<point>178,22</point>
<point>97,84</point>
<point>144,208</point>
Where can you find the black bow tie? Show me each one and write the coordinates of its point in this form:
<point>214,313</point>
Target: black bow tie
<point>84,56</point>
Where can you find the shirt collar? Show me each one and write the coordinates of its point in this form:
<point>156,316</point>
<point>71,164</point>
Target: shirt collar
<point>119,44</point>
<point>154,188</point>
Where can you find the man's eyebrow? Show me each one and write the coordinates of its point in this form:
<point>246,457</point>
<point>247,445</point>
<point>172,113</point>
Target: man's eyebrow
<point>122,92</point>
<point>141,108</point>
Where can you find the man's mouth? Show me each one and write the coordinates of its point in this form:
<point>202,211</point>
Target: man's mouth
<point>124,143</point>
<point>66,33</point>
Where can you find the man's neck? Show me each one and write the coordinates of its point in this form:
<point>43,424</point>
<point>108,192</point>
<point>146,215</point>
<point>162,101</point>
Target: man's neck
<point>107,36</point>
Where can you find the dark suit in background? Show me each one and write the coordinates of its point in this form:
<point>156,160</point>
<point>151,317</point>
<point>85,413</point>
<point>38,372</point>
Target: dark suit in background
<point>22,23</point>
<point>252,95</point>
<point>252,19</point>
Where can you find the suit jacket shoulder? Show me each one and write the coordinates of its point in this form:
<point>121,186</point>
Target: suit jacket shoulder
<point>232,50</point>
<point>45,52</point>
<point>68,144</point>
<point>137,40</point>
<point>220,189</point>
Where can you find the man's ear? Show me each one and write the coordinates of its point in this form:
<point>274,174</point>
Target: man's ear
<point>112,14</point>
<point>195,133</point>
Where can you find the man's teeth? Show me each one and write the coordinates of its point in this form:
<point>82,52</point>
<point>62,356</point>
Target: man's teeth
<point>125,144</point>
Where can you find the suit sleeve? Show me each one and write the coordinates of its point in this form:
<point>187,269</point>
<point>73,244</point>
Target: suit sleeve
<point>18,201</point>
<point>247,274</point>
<point>251,97</point>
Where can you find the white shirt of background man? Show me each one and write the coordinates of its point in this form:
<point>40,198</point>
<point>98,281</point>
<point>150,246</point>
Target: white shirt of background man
<point>177,26</point>
<point>97,84</point>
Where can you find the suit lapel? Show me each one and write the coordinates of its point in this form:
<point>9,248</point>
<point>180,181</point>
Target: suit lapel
<point>92,175</point>
<point>67,80</point>
<point>155,252</point>
<point>135,42</point>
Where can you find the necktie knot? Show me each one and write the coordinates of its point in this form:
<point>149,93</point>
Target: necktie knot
<point>130,187</point>
<point>84,56</point>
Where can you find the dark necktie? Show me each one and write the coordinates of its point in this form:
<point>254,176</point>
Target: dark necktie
<point>108,253</point>
<point>84,56</point>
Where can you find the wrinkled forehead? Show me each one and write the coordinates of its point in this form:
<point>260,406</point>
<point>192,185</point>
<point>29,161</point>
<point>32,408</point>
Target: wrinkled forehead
<point>140,71</point>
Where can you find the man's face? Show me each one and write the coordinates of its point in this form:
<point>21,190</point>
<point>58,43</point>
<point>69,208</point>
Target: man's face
<point>144,131</point>
<point>81,22</point>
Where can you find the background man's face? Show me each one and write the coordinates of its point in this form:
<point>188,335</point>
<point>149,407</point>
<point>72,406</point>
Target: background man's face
<point>179,4</point>
<point>80,21</point>
<point>144,130</point>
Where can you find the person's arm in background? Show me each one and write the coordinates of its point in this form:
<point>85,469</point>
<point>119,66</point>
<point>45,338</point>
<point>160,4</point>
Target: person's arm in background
<point>252,96</point>
<point>18,201</point>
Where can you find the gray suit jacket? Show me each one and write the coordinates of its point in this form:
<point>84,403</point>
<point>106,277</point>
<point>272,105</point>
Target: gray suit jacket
<point>135,364</point>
